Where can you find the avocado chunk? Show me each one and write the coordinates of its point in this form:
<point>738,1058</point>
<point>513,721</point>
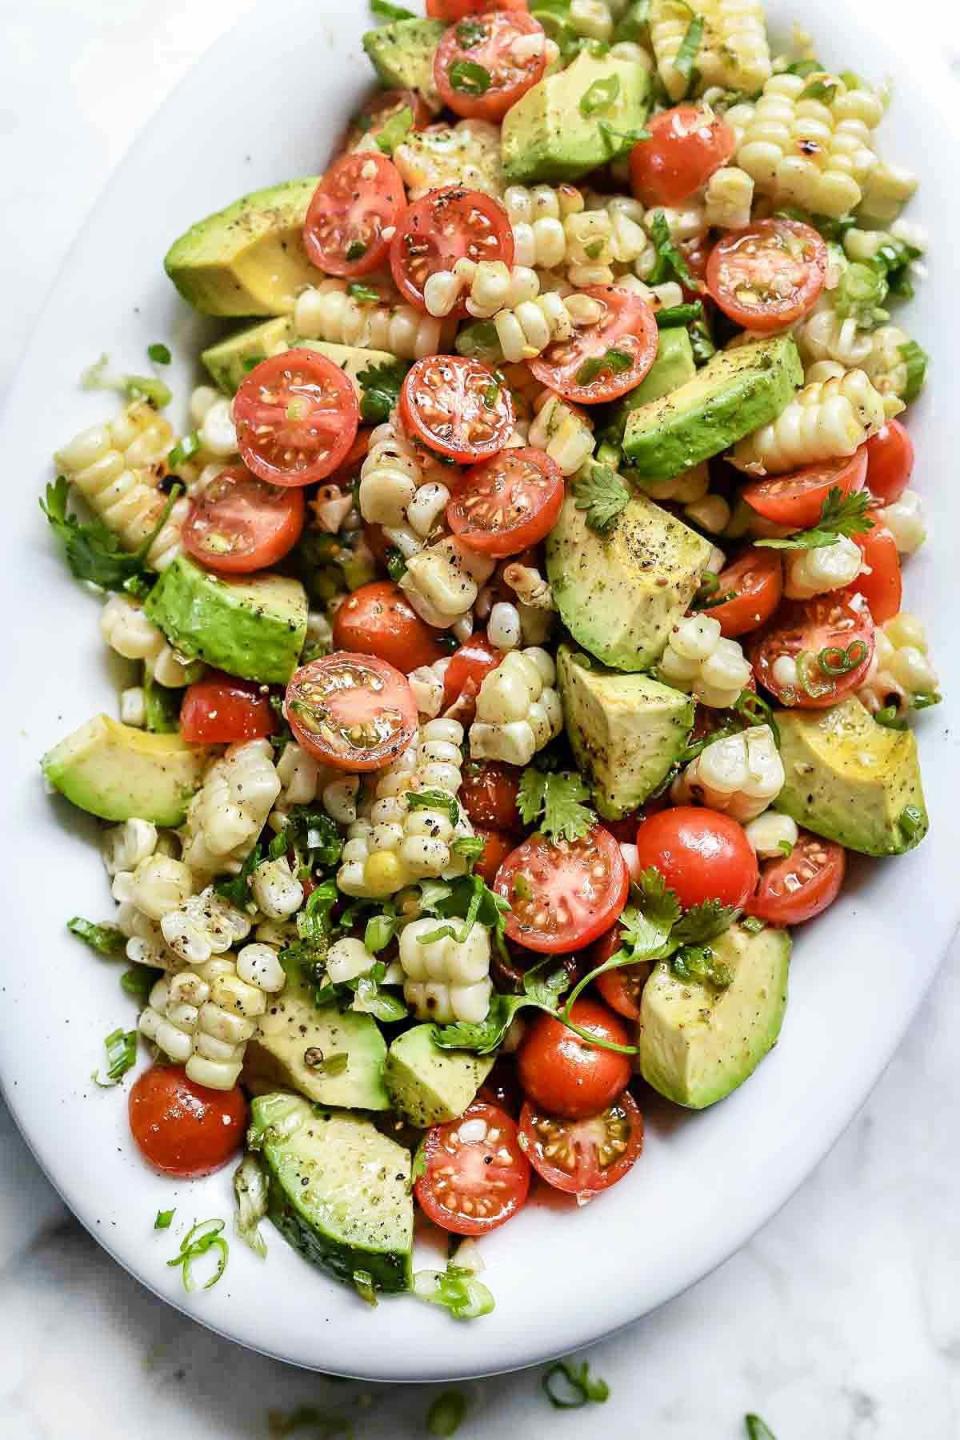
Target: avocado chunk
<point>626,731</point>
<point>338,1190</point>
<point>852,780</point>
<point>429,1085</point>
<point>252,627</point>
<point>120,773</point>
<point>249,258</point>
<point>402,55</point>
<point>232,359</point>
<point>698,1044</point>
<point>547,136</point>
<point>673,367</point>
<point>620,594</point>
<point>303,1048</point>
<point>735,393</point>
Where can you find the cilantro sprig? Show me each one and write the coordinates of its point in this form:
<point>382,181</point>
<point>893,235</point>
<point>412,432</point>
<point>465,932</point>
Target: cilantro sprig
<point>839,515</point>
<point>670,263</point>
<point>381,390</point>
<point>555,804</point>
<point>93,552</point>
<point>601,492</point>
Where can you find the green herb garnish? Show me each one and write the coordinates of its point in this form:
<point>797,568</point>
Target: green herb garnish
<point>159,354</point>
<point>470,33</point>
<point>203,1237</point>
<point>131,387</point>
<point>395,131</point>
<point>138,981</point>
<point>469,78</point>
<point>916,360</point>
<point>121,1049</point>
<point>602,494</point>
<point>356,250</point>
<point>684,64</point>
<point>600,95</point>
<point>396,564</point>
<point>616,361</point>
<point>758,1429</point>
<point>363,294</point>
<point>447,1413</point>
<point>823,88</point>
<point>381,390</point>
<point>670,264</point>
<point>839,515</point>
<point>455,1289</point>
<point>163,1219</point>
<point>184,450</point>
<point>912,822</point>
<point>106,940</point>
<point>384,10</point>
<point>570,1386</point>
<point>93,552</point>
<point>675,315</point>
<point>556,802</point>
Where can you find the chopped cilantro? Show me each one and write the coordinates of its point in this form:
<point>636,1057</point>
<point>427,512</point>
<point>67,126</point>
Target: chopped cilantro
<point>93,552</point>
<point>556,802</point>
<point>839,515</point>
<point>602,494</point>
<point>381,390</point>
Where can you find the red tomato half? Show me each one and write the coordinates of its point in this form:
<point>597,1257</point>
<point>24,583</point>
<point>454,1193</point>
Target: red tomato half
<point>456,407</point>
<point>297,416</point>
<point>583,1157</point>
<point>496,848</point>
<point>467,670</point>
<point>604,360</point>
<point>220,709</point>
<point>378,619</point>
<point>475,1175</point>
<point>489,793</point>
<point>240,524</point>
<point>563,893</point>
<point>701,854</point>
<point>443,227</point>
<point>881,581</point>
<point>507,503</point>
<point>568,1076</point>
<point>360,196</point>
<point>457,9</point>
<point>748,592</point>
<point>796,500</point>
<point>769,275</point>
<point>355,712</point>
<point>622,988</point>
<point>890,459</point>
<point>480,69</point>
<point>831,640</point>
<point>185,1129</point>
<point>382,107</point>
<point>686,145</point>
<point>802,884</point>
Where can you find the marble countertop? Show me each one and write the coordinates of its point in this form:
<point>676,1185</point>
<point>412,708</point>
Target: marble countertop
<point>839,1321</point>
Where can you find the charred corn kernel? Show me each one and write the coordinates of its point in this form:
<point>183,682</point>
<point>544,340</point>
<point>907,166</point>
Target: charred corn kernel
<point>230,809</point>
<point>733,51</point>
<point>771,834</point>
<point>124,846</point>
<point>277,892</point>
<point>900,669</point>
<point>445,979</point>
<point>826,419</point>
<point>728,198</point>
<point>564,432</point>
<point>442,581</point>
<point>698,660</point>
<point>202,926</point>
<point>518,710</point>
<point>158,885</point>
<point>905,521</point>
<point>328,312</point>
<point>466,154</point>
<point>117,468</point>
<point>740,775</point>
<point>126,629</point>
<point>815,572</point>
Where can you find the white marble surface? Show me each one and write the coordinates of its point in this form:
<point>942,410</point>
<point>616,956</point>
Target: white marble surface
<point>840,1321</point>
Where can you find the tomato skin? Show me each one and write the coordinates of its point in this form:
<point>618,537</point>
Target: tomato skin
<point>566,1075</point>
<point>796,500</point>
<point>508,503</point>
<point>455,407</point>
<point>701,854</point>
<point>220,709</point>
<point>489,794</point>
<point>382,106</point>
<point>835,620</point>
<point>818,865</point>
<point>496,848</point>
<point>330,699</point>
<point>240,524</point>
<point>492,1172</point>
<point>627,325</point>
<point>443,227</point>
<point>378,619</point>
<point>686,145</point>
<point>458,9</point>
<point>576,889</point>
<point>768,275</point>
<point>585,1156</point>
<point>181,1128</point>
<point>755,582</point>
<point>467,671</point>
<point>509,79</point>
<point>352,207</point>
<point>890,457</point>
<point>268,435</point>
<point>883,587</point>
<point>620,988</point>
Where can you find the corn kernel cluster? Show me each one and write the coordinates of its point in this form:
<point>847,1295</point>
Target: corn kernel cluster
<point>740,775</point>
<point>446,979</point>
<point>518,710</point>
<point>230,809</point>
<point>900,669</point>
<point>700,661</point>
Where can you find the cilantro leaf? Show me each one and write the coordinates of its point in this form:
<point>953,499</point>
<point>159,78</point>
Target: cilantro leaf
<point>670,264</point>
<point>106,940</point>
<point>542,990</point>
<point>434,800</point>
<point>558,800</point>
<point>236,889</point>
<point>381,390</point>
<point>93,552</point>
<point>674,315</point>
<point>704,922</point>
<point>311,836</point>
<point>602,494</point>
<point>467,898</point>
<point>839,515</point>
<point>758,1429</point>
<point>159,353</point>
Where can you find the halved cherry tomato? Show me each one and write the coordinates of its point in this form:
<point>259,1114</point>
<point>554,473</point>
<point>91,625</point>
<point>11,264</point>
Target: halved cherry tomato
<point>796,500</point>
<point>240,524</point>
<point>748,591</point>
<point>378,619</point>
<point>606,359</point>
<point>890,457</point>
<point>443,227</point>
<point>881,581</point>
<point>507,503</point>
<point>456,407</point>
<point>496,848</point>
<point>477,70</point>
<point>475,1175</point>
<point>685,146</point>
<point>621,988</point>
<point>489,793</point>
<point>830,638</point>
<point>297,416</point>
<point>457,9</point>
<point>220,709</point>
<point>382,107</point>
<point>563,893</point>
<point>182,1128</point>
<point>701,854</point>
<point>355,712</point>
<point>583,1157</point>
<point>802,884</point>
<point>769,275</point>
<point>468,669</point>
<point>360,196</point>
<point>568,1076</point>
<point>349,467</point>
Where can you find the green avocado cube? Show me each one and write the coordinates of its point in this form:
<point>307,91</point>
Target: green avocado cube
<point>120,773</point>
<point>673,367</point>
<point>427,1085</point>
<point>231,360</point>
<point>402,55</point>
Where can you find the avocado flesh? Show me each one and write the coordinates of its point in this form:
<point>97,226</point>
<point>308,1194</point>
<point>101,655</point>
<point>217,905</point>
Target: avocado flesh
<point>850,779</point>
<point>620,594</point>
<point>427,1085</point>
<point>253,627</point>
<point>698,1044</point>
<point>545,135</point>
<point>626,731</point>
<point>673,367</point>
<point>249,258</point>
<point>338,1190</point>
<point>231,360</point>
<point>294,1040</point>
<point>402,55</point>
<point>735,393</point>
<point>120,773</point>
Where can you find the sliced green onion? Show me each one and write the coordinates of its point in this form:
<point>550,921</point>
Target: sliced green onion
<point>470,33</point>
<point>106,940</point>
<point>447,1413</point>
<point>379,932</point>
<point>911,821</point>
<point>250,1190</point>
<point>616,361</point>
<point>363,294</point>
<point>203,1237</point>
<point>689,48</point>
<point>600,95</point>
<point>469,78</point>
<point>833,660</point>
<point>159,354</point>
<point>121,1048</point>
<point>163,1219</point>
<point>916,360</point>
<point>569,1387</point>
<point>184,450</point>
